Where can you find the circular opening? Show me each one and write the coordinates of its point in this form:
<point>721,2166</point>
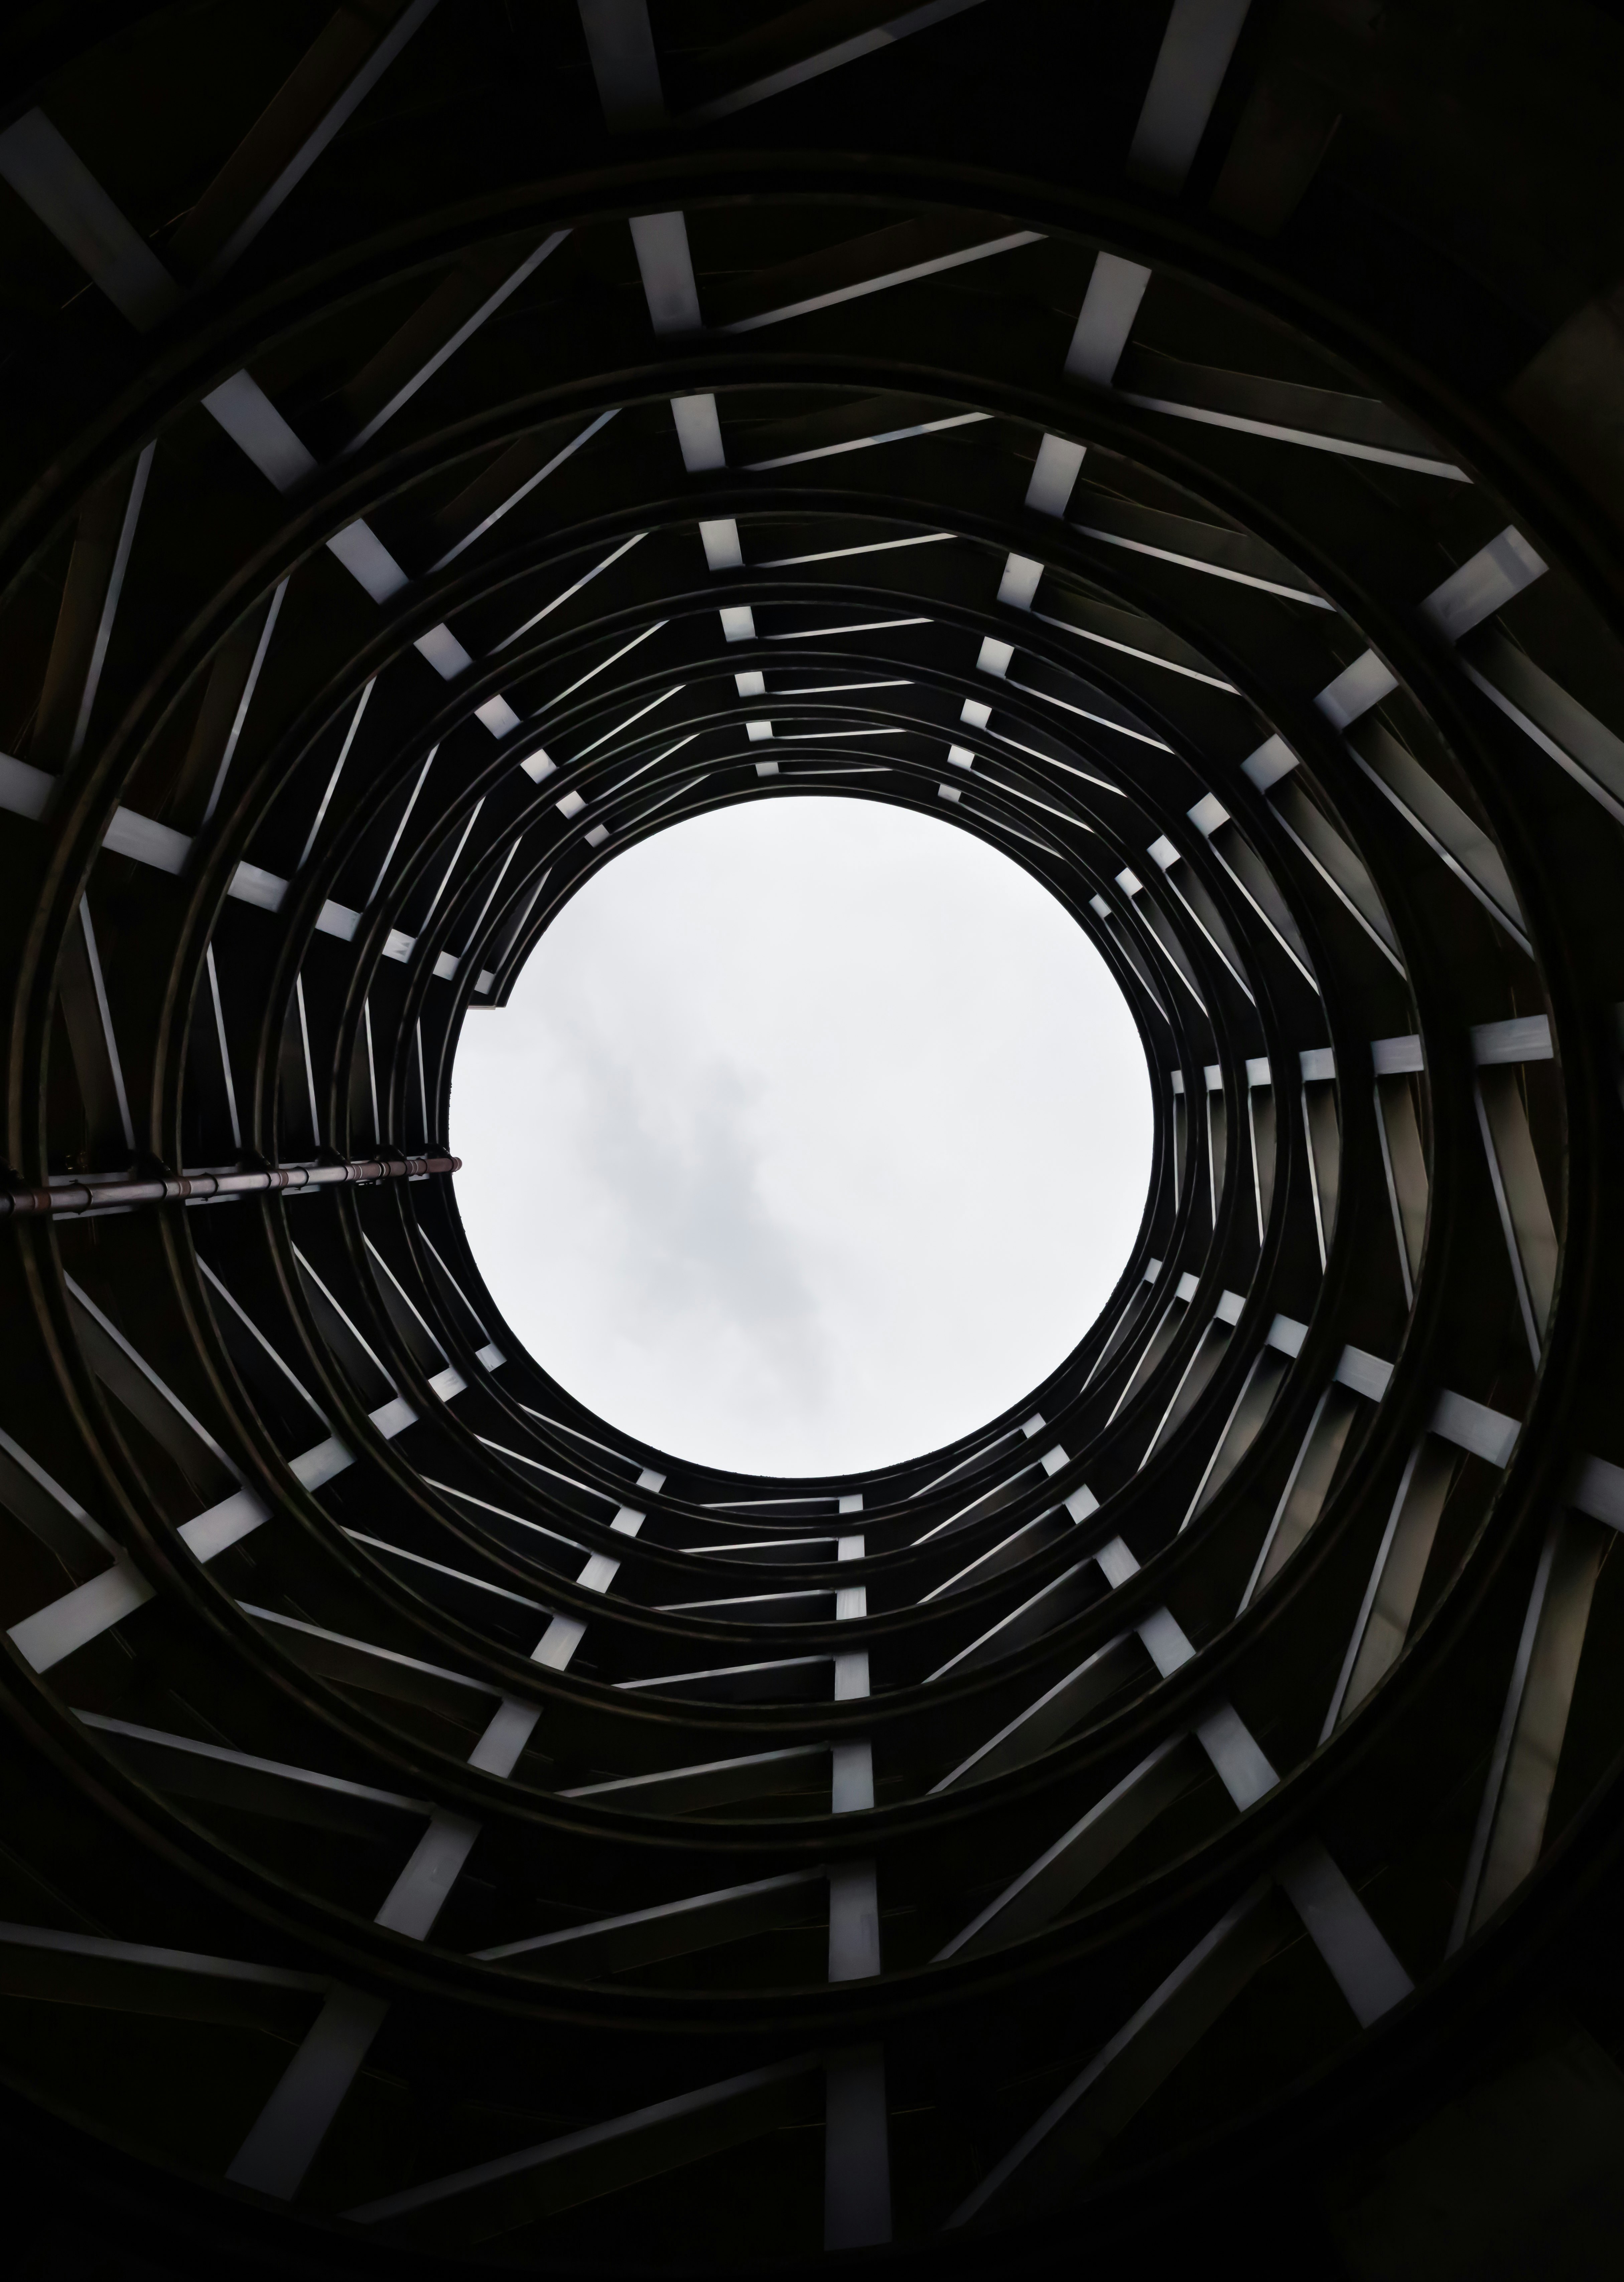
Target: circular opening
<point>815,1133</point>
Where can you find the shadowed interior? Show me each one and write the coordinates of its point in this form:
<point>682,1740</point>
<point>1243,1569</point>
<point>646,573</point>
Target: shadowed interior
<point>1176,445</point>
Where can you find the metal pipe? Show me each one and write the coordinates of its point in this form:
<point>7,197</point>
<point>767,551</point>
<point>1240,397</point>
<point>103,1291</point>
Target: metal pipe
<point>81,1196</point>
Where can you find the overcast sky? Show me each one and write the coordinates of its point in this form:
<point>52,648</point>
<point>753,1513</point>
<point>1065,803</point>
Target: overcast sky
<point>814,1133</point>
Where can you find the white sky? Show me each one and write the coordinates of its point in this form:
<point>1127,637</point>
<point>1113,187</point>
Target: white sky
<point>814,1133</point>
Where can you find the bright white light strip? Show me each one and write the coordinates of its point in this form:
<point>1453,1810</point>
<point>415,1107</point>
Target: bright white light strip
<point>1050,762</point>
<point>1140,736</point>
<point>693,785</point>
<point>1211,569</point>
<point>838,688</point>
<point>586,579</point>
<point>864,443</point>
<point>999,824</point>
<point>628,722</point>
<point>868,627</point>
<point>840,554</point>
<point>885,281</point>
<point>642,770</point>
<point>827,59</point>
<point>541,475</point>
<point>1128,650</point>
<point>1014,792</point>
<point>1341,444</point>
<point>447,349</point>
<point>604,665</point>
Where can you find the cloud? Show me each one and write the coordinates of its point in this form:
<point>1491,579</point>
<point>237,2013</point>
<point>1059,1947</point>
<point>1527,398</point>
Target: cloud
<point>814,1133</point>
<point>700,1252</point>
